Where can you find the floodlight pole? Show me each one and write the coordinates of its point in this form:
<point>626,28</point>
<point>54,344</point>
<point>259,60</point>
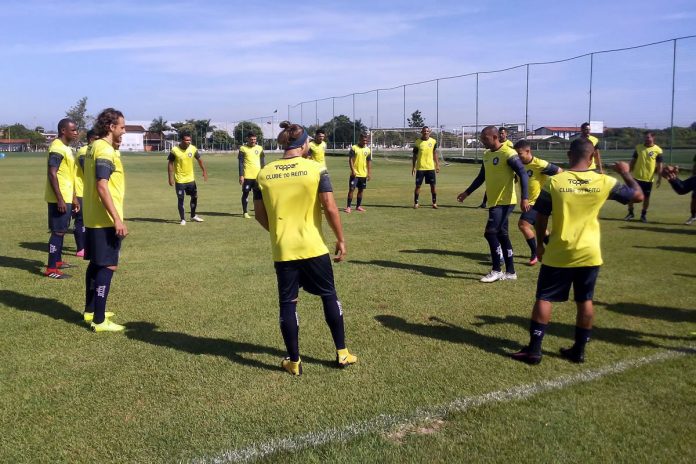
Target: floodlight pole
<point>477,114</point>
<point>377,107</point>
<point>589,112</point>
<point>437,102</point>
<point>526,106</point>
<point>404,125</point>
<point>333,119</point>
<point>353,118</point>
<point>316,112</point>
<point>302,114</point>
<point>674,74</point>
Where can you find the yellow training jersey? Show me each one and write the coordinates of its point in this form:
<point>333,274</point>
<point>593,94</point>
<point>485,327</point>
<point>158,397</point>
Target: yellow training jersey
<point>425,150</point>
<point>183,163</point>
<point>576,198</point>
<point>79,170</point>
<point>500,178</point>
<point>508,143</point>
<point>645,159</point>
<point>102,162</point>
<point>62,157</point>
<point>537,173</point>
<point>251,161</point>
<point>360,155</point>
<point>595,143</point>
<point>317,152</point>
<point>290,188</point>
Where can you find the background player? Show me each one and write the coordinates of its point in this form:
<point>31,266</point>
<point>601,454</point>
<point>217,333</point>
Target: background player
<point>78,224</point>
<point>104,192</point>
<point>180,172</point>
<point>317,147</point>
<point>360,162</point>
<point>682,187</point>
<point>596,157</point>
<point>502,136</point>
<point>425,164</point>
<point>538,171</point>
<point>60,189</point>
<point>500,164</point>
<point>296,190</point>
<point>646,162</point>
<point>251,160</point>
<point>573,199</point>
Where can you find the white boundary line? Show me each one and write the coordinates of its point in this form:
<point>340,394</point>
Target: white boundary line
<point>385,422</point>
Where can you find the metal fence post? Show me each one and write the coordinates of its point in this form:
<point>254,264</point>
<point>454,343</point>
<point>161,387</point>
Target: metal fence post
<point>526,106</point>
<point>353,118</point>
<point>674,75</point>
<point>333,119</point>
<point>589,111</point>
<point>477,116</point>
<point>404,126</point>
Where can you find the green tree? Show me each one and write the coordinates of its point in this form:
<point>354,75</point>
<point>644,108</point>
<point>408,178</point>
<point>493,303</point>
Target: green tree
<point>416,119</point>
<point>243,128</point>
<point>159,126</point>
<point>342,132</point>
<point>221,139</point>
<point>198,129</point>
<point>18,131</point>
<point>78,113</point>
<point>39,129</point>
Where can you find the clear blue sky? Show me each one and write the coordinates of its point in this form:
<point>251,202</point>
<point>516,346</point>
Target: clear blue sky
<point>229,60</point>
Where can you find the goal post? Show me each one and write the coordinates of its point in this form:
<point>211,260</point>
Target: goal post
<point>472,146</point>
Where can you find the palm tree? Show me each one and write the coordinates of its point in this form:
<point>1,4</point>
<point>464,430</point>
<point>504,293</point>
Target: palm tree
<point>159,126</point>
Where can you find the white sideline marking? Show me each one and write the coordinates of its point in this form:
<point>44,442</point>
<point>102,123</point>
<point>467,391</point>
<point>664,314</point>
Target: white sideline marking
<point>385,422</point>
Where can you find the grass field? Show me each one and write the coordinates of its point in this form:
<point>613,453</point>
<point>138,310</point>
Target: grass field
<point>196,378</point>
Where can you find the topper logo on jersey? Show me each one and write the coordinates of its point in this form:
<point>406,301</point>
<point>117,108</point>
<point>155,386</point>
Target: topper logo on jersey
<point>285,167</point>
<point>578,181</point>
<point>496,160</point>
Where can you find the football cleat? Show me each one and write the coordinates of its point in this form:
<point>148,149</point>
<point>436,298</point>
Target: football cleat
<point>434,205</point>
<point>533,261</point>
<point>183,222</point>
<point>89,317</point>
<point>197,218</point>
<point>107,326</point>
<point>292,367</point>
<point>360,208</point>
<point>416,206</point>
<point>55,274</point>
<point>509,276</point>
<point>493,276</point>
<point>572,355</point>
<point>246,216</point>
<point>344,358</point>
<point>643,219</point>
<point>690,221</point>
<point>80,254</point>
<point>348,210</point>
<point>628,217</point>
<point>526,357</point>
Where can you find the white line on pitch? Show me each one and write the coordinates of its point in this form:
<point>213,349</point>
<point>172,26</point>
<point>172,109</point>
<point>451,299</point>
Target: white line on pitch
<point>386,422</point>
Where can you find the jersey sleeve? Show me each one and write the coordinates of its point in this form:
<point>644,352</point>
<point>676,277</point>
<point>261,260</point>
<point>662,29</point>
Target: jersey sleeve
<point>197,154</point>
<point>369,157</point>
<point>54,159</point>
<point>351,153</point>
<point>325,182</point>
<point>104,167</point>
<point>550,169</point>
<point>171,157</point>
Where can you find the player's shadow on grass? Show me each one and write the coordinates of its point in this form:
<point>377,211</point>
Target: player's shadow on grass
<point>155,220</point>
<point>613,335</point>
<point>684,275</point>
<point>43,246</point>
<point>658,223</point>
<point>30,265</point>
<point>422,206</point>
<point>682,249</point>
<point>426,270</point>
<point>222,214</point>
<point>645,311</point>
<point>659,230</point>
<point>443,330</point>
<point>147,332</point>
<point>46,306</point>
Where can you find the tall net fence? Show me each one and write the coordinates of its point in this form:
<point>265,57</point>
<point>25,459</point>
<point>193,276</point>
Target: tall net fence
<point>648,86</point>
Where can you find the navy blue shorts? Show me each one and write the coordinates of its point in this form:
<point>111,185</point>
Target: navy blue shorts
<point>554,283</point>
<point>498,219</point>
<point>646,186</point>
<point>248,185</point>
<point>529,217</point>
<point>57,221</point>
<point>315,275</point>
<point>188,188</point>
<point>427,176</point>
<point>359,182</point>
<point>102,246</point>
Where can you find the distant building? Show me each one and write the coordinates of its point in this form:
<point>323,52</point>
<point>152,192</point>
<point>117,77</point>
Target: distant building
<point>49,136</point>
<point>133,139</point>
<point>14,144</point>
<point>563,132</point>
<point>154,141</point>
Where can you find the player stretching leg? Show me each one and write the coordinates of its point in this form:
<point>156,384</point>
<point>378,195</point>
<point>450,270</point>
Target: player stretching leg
<point>290,207</point>
<point>573,256</point>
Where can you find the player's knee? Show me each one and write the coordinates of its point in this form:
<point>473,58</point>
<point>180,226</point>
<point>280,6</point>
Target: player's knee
<point>490,233</point>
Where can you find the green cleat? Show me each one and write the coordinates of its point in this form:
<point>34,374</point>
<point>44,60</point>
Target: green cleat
<point>107,326</point>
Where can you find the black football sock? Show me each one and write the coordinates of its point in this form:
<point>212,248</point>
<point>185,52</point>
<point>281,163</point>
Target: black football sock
<point>53,246</point>
<point>532,246</point>
<point>102,285</point>
<point>289,327</point>
<point>333,313</point>
<point>496,251</point>
<point>90,288</point>
<point>582,336</point>
<point>507,253</point>
<point>536,336</point>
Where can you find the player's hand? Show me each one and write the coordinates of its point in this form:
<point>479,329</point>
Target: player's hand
<point>462,196</point>
<point>76,206</point>
<point>121,229</point>
<point>540,249</point>
<point>659,182</point>
<point>241,180</point>
<point>369,177</point>
<point>437,170</point>
<point>525,206</point>
<point>413,171</point>
<point>62,207</point>
<point>340,252</point>
<point>205,176</point>
<point>171,182</point>
<point>621,167</point>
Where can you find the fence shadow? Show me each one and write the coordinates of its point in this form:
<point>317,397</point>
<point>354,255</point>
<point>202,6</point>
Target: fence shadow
<point>425,270</point>
<point>44,306</point>
<point>645,311</point>
<point>155,220</point>
<point>681,249</point>
<point>660,230</point>
<point>30,265</point>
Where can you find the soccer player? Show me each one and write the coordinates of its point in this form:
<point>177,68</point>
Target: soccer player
<point>502,136</point>
<point>251,160</point>
<point>538,171</point>
<point>288,202</point>
<point>78,224</point>
<point>646,162</point>
<point>425,164</point>
<point>682,187</point>
<point>500,164</point>
<point>360,162</point>
<point>317,147</point>
<point>180,172</point>
<point>104,190</point>
<point>573,256</point>
<point>59,192</point>
<point>596,157</point>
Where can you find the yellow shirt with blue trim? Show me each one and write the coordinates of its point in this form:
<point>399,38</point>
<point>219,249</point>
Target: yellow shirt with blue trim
<point>508,143</point>
<point>79,171</point>
<point>595,143</point>
<point>536,171</point>
<point>500,178</point>
<point>102,162</point>
<point>317,152</point>
<point>183,163</point>
<point>360,155</point>
<point>252,160</point>
<point>290,190</point>
<point>425,150</point>
<point>576,198</point>
<point>645,159</point>
<point>62,157</point>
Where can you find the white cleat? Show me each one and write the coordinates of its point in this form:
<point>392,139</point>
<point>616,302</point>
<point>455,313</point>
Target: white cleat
<point>183,222</point>
<point>493,276</point>
<point>510,276</point>
<point>690,221</point>
<point>196,218</point>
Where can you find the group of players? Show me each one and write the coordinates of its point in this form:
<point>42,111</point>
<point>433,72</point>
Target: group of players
<point>290,195</point>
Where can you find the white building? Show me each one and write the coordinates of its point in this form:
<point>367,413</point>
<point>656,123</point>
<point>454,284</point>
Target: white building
<point>133,139</point>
